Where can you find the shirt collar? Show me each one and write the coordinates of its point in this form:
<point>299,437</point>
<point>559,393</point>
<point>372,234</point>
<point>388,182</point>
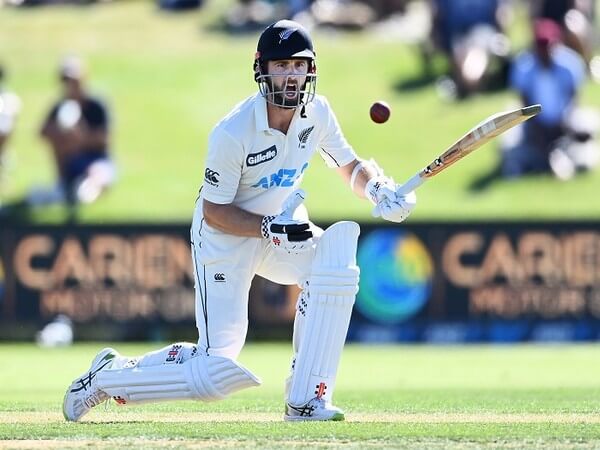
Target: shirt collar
<point>260,113</point>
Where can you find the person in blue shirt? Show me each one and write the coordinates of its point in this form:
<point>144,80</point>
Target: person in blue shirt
<point>549,74</point>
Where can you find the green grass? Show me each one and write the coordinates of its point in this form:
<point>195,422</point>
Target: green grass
<point>394,397</point>
<point>170,78</point>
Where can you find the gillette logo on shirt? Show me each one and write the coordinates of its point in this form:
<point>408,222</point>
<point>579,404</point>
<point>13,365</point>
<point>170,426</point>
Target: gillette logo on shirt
<point>254,159</point>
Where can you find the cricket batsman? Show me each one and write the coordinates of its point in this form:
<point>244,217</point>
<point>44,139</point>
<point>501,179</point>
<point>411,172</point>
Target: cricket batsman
<point>249,219</point>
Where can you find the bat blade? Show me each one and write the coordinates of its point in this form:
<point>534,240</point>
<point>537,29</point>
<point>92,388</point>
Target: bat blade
<point>471,141</point>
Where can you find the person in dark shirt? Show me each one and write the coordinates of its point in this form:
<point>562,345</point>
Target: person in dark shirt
<point>10,105</point>
<point>77,129</point>
<point>471,34</point>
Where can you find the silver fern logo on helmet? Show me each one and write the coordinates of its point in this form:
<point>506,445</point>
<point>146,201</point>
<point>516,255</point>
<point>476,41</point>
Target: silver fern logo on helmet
<point>285,35</point>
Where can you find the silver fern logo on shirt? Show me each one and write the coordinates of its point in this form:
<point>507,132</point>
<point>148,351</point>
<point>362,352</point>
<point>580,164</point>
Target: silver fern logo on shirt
<point>254,159</point>
<point>303,136</point>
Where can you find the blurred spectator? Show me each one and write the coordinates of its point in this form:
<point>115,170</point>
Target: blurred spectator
<point>296,7</point>
<point>350,14</point>
<point>77,130</point>
<point>48,2</point>
<point>179,5</point>
<point>471,34</point>
<point>353,14</point>
<point>550,74</point>
<point>10,106</point>
<point>58,333</point>
<point>386,8</point>
<point>576,19</point>
<point>254,14</point>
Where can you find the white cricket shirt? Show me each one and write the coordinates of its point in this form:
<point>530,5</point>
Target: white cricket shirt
<point>255,167</point>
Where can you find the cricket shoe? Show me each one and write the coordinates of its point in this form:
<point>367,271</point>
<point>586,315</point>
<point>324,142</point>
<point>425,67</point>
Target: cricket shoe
<point>315,409</point>
<point>83,394</point>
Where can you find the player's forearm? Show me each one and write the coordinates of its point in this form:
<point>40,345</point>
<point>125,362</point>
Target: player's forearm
<point>96,139</point>
<point>357,174</point>
<point>50,132</point>
<point>231,219</point>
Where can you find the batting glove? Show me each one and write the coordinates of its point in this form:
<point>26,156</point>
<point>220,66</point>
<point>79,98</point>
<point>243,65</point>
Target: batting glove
<point>396,210</point>
<point>379,188</point>
<point>286,234</point>
<point>389,203</point>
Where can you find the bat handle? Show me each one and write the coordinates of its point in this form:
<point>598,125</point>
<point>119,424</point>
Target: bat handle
<point>411,184</point>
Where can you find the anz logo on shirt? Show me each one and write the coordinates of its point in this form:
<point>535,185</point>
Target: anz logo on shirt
<point>281,178</point>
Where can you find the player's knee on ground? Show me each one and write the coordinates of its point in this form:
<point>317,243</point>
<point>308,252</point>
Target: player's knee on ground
<point>201,377</point>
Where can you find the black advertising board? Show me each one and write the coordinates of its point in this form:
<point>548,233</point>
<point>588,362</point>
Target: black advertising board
<point>419,282</point>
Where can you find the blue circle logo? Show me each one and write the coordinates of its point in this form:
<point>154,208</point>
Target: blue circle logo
<point>396,274</point>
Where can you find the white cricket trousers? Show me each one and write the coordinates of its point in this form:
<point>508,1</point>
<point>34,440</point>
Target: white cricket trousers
<point>224,266</point>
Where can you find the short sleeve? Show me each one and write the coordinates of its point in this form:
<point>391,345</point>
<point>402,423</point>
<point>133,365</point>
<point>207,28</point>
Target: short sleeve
<point>223,168</point>
<point>574,64</point>
<point>96,115</point>
<point>333,147</point>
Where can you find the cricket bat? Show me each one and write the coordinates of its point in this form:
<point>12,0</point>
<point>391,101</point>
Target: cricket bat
<point>475,138</point>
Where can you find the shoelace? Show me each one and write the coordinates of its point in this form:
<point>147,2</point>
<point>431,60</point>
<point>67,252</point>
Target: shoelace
<point>317,402</point>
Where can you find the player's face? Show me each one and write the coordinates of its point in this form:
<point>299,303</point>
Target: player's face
<point>288,78</point>
<point>71,87</point>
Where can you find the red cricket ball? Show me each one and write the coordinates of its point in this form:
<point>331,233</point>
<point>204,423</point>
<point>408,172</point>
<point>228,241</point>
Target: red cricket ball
<point>380,112</point>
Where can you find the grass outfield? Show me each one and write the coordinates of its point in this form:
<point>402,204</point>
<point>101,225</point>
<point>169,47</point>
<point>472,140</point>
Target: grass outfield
<point>170,78</point>
<point>396,396</point>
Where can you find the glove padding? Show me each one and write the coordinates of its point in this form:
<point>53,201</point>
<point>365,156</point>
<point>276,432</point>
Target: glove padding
<point>396,210</point>
<point>390,203</point>
<point>286,234</point>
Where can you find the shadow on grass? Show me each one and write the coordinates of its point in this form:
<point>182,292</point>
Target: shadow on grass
<point>486,180</point>
<point>415,83</point>
<point>21,212</point>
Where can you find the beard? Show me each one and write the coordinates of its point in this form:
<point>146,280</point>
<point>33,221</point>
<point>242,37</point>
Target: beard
<point>284,101</point>
<point>279,97</point>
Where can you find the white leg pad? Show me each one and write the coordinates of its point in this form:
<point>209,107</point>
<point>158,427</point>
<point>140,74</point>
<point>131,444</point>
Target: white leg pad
<point>176,353</point>
<point>333,284</point>
<point>299,321</point>
<point>203,377</point>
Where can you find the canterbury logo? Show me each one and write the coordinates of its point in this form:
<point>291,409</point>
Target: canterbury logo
<point>303,136</point>
<point>219,277</point>
<point>211,177</point>
<point>285,35</point>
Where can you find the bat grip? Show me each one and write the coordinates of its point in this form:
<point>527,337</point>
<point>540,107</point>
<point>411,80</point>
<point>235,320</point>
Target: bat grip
<point>410,185</point>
